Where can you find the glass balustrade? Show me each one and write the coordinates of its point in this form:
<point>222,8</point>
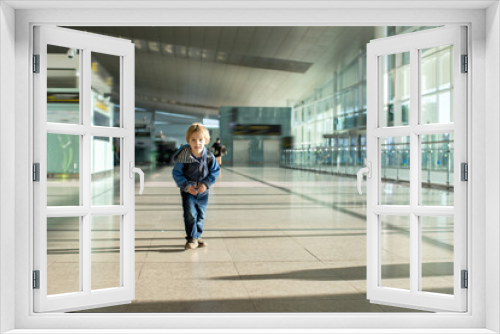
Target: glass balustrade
<point>347,159</point>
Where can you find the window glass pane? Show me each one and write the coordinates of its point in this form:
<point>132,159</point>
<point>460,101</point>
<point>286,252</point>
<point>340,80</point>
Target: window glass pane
<point>105,171</point>
<point>437,254</point>
<point>105,91</point>
<point>63,85</point>
<point>437,85</point>
<point>63,170</point>
<point>63,255</point>
<point>437,169</point>
<point>395,170</point>
<point>395,252</point>
<point>106,252</point>
<point>395,89</point>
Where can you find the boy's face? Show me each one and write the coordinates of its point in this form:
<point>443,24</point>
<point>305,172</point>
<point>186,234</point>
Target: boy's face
<point>197,142</point>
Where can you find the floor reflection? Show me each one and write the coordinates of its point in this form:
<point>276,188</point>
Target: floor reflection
<point>280,240</point>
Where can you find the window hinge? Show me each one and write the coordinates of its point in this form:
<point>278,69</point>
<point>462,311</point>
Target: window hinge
<point>465,64</point>
<point>465,279</point>
<point>36,279</point>
<point>464,168</point>
<point>36,63</point>
<point>36,172</point>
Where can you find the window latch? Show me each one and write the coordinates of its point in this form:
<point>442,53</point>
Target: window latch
<point>366,170</point>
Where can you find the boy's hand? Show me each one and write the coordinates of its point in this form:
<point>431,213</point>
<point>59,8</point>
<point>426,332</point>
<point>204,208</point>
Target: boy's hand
<point>202,188</point>
<point>192,190</point>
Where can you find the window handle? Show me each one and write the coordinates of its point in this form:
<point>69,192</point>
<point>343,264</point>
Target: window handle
<point>134,170</point>
<point>365,170</point>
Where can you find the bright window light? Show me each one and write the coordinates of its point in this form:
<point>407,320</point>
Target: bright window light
<point>211,123</point>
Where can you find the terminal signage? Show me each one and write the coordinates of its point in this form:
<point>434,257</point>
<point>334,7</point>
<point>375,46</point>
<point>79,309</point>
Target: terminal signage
<point>257,130</point>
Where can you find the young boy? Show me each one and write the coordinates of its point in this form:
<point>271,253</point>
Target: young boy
<point>195,171</point>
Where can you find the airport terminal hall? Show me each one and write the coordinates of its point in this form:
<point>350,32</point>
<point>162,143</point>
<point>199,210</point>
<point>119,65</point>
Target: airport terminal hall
<point>283,116</point>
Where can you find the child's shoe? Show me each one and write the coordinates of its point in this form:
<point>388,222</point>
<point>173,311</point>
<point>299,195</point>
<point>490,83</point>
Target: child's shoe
<point>202,243</point>
<point>191,244</point>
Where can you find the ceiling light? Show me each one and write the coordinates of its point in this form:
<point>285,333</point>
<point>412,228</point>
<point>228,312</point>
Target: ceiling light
<point>153,46</point>
<point>169,48</point>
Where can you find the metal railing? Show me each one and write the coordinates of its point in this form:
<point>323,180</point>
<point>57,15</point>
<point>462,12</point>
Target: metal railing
<point>437,163</point>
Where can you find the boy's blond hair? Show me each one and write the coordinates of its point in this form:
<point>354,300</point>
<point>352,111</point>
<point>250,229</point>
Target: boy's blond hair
<point>198,127</point>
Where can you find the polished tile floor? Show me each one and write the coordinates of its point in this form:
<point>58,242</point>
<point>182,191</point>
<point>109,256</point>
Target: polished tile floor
<point>280,240</point>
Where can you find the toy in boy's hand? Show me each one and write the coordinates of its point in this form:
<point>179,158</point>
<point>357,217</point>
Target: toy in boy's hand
<point>192,190</point>
<point>202,188</point>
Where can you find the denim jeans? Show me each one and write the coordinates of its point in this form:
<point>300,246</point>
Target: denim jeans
<point>194,207</point>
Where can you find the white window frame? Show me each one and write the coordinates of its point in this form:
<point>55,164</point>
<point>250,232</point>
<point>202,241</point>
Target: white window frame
<point>377,130</point>
<point>123,51</point>
<point>483,101</point>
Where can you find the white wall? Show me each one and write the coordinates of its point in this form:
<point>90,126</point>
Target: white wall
<point>7,98</point>
<point>196,16</point>
<point>492,154</point>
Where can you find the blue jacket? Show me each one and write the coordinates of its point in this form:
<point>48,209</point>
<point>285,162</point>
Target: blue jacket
<point>189,171</point>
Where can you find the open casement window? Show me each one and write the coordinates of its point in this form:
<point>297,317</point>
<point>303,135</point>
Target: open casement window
<point>84,170</point>
<point>417,133</point>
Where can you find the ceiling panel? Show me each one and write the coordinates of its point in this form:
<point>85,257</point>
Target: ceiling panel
<point>208,67</point>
